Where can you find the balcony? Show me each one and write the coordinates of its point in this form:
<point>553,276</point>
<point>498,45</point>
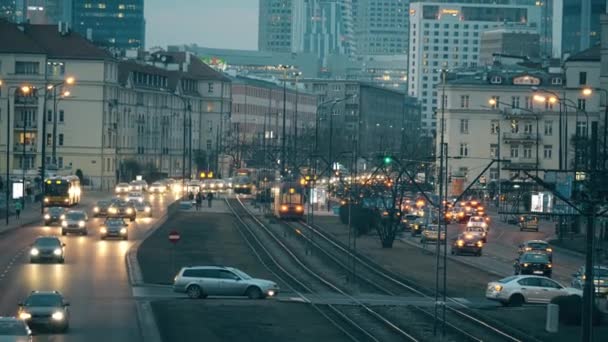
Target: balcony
<point>518,113</point>
<point>520,137</point>
<point>520,164</point>
<point>30,126</point>
<point>18,148</point>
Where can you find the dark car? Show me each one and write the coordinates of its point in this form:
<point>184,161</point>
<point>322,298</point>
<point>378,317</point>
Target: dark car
<point>47,248</point>
<point>14,329</point>
<point>408,220</point>
<point>467,243</point>
<point>417,226</point>
<point>114,227</point>
<point>528,222</point>
<point>45,309</point>
<point>122,210</point>
<point>540,246</point>
<point>533,263</point>
<point>101,209</point>
<point>53,215</point>
<point>144,209</point>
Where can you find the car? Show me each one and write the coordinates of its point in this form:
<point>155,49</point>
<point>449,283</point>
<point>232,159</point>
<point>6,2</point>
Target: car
<point>121,188</point>
<point>143,209</point>
<point>14,329</point>
<point>467,243</point>
<point>46,309</point>
<point>122,210</point>
<point>101,208</point>
<point>600,280</point>
<point>477,232</point>
<point>408,219</point>
<point>459,215</point>
<point>135,196</point>
<point>138,185</point>
<point>533,263</point>
<point>536,246</point>
<point>203,281</point>
<point>75,221</point>
<point>157,188</point>
<point>114,227</point>
<point>53,215</point>
<point>431,233</point>
<point>528,222</point>
<point>47,248</point>
<point>519,289</point>
<point>478,221</point>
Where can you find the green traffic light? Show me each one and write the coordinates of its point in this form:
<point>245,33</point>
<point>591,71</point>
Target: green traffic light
<point>387,160</point>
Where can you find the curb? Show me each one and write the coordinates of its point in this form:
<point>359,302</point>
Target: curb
<point>21,225</point>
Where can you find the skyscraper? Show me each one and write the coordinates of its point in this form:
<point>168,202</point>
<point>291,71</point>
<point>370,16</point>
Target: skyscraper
<point>576,25</point>
<point>116,24</point>
<point>275,26</point>
<point>381,27</point>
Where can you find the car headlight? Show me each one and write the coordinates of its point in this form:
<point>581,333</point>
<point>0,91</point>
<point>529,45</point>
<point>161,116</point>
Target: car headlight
<point>479,244</point>
<point>549,249</point>
<point>57,251</point>
<point>103,230</point>
<point>460,243</point>
<point>284,208</point>
<point>271,293</point>
<point>62,217</point>
<point>140,200</point>
<point>96,209</point>
<point>147,209</point>
<point>81,224</point>
<point>299,208</point>
<point>58,316</point>
<point>497,288</point>
<point>46,200</point>
<point>129,210</point>
<point>25,315</point>
<point>123,231</point>
<point>112,210</point>
<point>65,200</point>
<point>526,265</point>
<point>64,223</point>
<point>47,216</point>
<point>549,265</point>
<point>34,251</point>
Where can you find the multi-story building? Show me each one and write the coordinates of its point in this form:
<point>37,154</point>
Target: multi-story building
<point>118,24</point>
<point>375,118</point>
<point>508,41</point>
<point>576,25</point>
<point>528,116</point>
<point>275,26</point>
<point>118,112</point>
<point>257,119</point>
<point>8,10</point>
<point>447,35</point>
<point>381,27</point>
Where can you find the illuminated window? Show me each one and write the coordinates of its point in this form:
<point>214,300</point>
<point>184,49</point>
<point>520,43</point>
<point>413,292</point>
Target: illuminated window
<point>121,6</point>
<point>101,5</point>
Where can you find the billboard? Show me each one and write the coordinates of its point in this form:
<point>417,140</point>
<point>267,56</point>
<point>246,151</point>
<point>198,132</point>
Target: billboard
<point>215,62</point>
<point>17,190</point>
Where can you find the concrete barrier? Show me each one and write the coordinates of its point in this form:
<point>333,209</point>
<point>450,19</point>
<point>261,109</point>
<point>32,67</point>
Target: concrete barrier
<point>552,324</point>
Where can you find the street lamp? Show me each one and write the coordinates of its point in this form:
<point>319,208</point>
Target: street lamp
<point>295,74</point>
<point>587,92</point>
<point>283,134</point>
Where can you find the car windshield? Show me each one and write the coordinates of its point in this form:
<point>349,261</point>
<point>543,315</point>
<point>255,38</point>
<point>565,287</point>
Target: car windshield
<point>103,203</point>
<point>12,328</point>
<point>134,194</point>
<point>538,245</point>
<point>75,216</point>
<point>115,222</point>
<point>55,211</point>
<point>44,300</point>
<point>507,279</point>
<point>476,219</point>
<point>47,242</point>
<point>242,274</point>
<point>542,258</point>
<point>123,185</point>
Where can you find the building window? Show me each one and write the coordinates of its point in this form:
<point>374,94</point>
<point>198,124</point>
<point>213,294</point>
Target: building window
<point>548,105</point>
<point>515,101</point>
<point>49,115</point>
<point>26,68</point>
<point>61,116</point>
<point>582,104</point>
<point>496,80</point>
<point>514,151</point>
<point>49,139</point>
<point>464,126</point>
<point>529,102</point>
<point>496,102</point>
<point>493,174</point>
<point>464,150</point>
<point>528,152</point>
<point>548,128</point>
<point>493,150</point>
<point>581,129</point>
<point>556,81</point>
<point>209,145</point>
<point>55,68</point>
<point>60,143</point>
<point>60,162</point>
<point>514,126</point>
<point>494,127</point>
<point>548,152</point>
<point>582,78</point>
<point>528,128</point>
<point>464,101</point>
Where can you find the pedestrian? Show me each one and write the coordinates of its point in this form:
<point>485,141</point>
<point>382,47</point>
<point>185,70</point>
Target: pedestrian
<point>199,200</point>
<point>18,207</point>
<point>190,196</point>
<point>209,199</point>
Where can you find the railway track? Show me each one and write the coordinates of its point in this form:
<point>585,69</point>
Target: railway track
<point>293,272</point>
<point>459,319</point>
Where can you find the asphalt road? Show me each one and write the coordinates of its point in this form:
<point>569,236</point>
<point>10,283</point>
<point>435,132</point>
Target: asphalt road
<point>93,279</point>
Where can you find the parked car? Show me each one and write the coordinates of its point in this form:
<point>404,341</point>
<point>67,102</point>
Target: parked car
<point>519,289</point>
<point>528,222</point>
<point>54,215</point>
<point>533,263</point>
<point>14,329</point>
<point>75,221</point>
<point>600,280</point>
<point>203,281</point>
<point>467,243</point>
<point>536,246</point>
<point>45,309</point>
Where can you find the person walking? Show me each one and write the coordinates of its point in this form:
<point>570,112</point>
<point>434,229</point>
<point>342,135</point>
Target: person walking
<point>18,207</point>
<point>199,200</point>
<point>209,199</point>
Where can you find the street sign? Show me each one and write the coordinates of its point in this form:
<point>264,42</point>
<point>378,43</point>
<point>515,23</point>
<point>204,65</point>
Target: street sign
<point>174,236</point>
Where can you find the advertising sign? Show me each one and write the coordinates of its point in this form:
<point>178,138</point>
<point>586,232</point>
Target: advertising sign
<point>17,190</point>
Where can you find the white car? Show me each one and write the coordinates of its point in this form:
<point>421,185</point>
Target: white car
<point>157,188</point>
<point>121,188</point>
<point>478,232</point>
<point>134,196</point>
<point>478,221</point>
<point>520,289</point>
<point>138,185</point>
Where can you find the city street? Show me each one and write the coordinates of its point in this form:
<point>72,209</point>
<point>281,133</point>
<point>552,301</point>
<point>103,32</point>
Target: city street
<point>93,279</point>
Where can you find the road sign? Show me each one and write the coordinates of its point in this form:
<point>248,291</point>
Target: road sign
<point>174,236</point>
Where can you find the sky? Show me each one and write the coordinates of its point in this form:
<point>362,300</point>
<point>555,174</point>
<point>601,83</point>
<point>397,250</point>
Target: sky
<point>210,23</point>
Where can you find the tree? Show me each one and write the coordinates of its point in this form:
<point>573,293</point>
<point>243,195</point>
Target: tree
<point>80,175</point>
<point>131,168</point>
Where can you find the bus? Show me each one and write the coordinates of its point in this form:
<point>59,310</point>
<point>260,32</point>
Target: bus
<point>62,191</point>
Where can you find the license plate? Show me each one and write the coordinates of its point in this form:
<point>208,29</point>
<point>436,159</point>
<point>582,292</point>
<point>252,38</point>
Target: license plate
<point>538,272</point>
<point>470,244</point>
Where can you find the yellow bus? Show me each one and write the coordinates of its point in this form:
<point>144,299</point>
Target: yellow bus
<point>62,191</point>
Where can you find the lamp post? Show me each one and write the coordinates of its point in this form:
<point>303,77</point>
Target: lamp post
<point>283,134</point>
<point>296,74</point>
<point>187,107</point>
<point>331,127</point>
<point>588,92</point>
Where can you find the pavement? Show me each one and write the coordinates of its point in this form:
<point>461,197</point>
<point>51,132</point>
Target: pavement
<point>94,277</point>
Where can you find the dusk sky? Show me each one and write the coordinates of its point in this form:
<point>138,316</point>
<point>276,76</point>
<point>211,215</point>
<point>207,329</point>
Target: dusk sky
<point>210,23</point>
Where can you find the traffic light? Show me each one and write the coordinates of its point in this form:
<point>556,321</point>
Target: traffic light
<point>387,160</point>
<point>40,173</point>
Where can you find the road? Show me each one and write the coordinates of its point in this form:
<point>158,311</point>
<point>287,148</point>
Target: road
<point>501,249</point>
<point>93,279</point>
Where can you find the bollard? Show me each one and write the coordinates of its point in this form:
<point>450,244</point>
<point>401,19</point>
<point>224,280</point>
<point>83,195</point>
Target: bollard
<point>552,325</point>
